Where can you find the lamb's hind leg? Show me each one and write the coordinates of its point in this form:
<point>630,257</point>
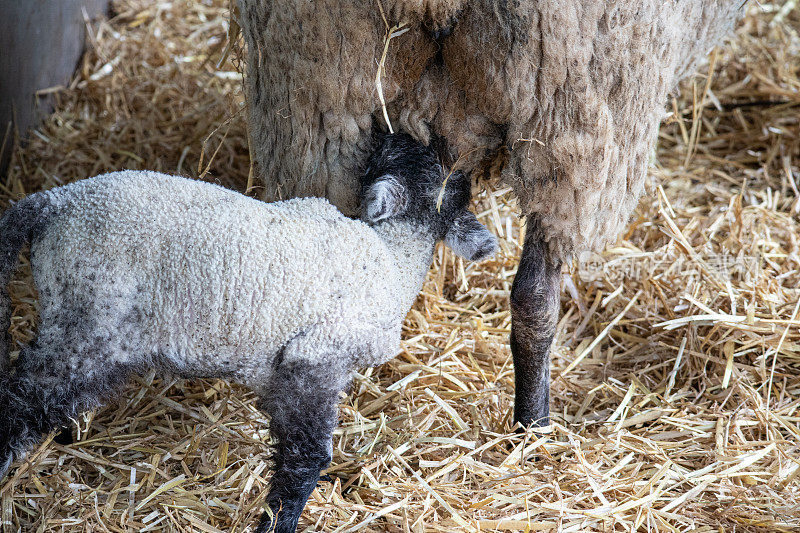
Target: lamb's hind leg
<point>302,404</point>
<point>43,394</point>
<point>534,314</point>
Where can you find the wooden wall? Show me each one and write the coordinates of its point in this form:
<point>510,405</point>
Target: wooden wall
<point>41,42</point>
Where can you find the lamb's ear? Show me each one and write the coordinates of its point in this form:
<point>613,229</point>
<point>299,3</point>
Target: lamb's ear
<point>468,238</point>
<point>384,198</point>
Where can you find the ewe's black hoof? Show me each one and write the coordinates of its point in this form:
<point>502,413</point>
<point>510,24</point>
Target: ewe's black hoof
<point>534,431</point>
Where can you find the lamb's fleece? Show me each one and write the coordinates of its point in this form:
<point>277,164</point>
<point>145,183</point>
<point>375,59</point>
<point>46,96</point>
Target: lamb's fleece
<point>573,89</point>
<point>205,281</point>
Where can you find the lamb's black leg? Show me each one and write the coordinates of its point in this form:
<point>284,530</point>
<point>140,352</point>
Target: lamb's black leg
<point>40,395</point>
<point>302,404</point>
<point>534,315</point>
<point>30,408</point>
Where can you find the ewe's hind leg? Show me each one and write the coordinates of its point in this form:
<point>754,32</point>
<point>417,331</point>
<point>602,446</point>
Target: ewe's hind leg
<point>302,404</point>
<point>534,314</point>
<point>43,394</point>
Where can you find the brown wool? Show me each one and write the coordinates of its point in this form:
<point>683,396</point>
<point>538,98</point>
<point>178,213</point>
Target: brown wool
<point>575,90</point>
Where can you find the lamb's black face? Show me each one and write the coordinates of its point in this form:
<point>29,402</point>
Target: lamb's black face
<point>404,180</point>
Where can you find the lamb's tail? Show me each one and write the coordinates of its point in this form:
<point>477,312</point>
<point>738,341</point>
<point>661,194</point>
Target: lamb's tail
<point>16,229</point>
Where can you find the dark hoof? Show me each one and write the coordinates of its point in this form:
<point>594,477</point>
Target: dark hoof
<point>65,437</point>
<point>325,478</point>
<point>536,427</point>
<point>525,419</point>
<point>533,431</point>
<point>283,519</point>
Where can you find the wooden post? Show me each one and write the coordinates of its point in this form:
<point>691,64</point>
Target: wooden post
<point>41,42</point>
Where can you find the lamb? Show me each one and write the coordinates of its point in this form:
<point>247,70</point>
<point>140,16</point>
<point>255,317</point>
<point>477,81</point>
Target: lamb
<point>139,270</point>
<point>568,94</point>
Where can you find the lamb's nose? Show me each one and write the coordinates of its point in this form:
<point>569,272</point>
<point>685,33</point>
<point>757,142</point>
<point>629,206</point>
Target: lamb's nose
<point>486,248</point>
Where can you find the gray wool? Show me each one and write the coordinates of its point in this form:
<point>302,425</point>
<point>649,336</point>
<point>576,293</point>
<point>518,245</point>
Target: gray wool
<point>203,281</point>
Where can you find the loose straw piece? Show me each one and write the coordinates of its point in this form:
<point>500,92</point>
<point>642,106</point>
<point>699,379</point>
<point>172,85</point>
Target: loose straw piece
<point>391,33</point>
<point>600,337</point>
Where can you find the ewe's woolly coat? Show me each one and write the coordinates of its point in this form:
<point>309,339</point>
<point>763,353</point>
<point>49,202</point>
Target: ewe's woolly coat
<point>574,89</point>
<point>138,269</point>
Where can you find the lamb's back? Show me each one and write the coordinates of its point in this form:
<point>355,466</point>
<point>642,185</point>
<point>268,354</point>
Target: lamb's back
<point>212,276</point>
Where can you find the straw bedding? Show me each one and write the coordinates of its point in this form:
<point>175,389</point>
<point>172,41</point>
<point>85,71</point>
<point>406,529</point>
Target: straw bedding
<point>677,363</point>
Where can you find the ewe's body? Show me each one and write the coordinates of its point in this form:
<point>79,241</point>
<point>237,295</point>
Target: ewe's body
<point>139,270</point>
<point>569,92</point>
<point>573,89</point>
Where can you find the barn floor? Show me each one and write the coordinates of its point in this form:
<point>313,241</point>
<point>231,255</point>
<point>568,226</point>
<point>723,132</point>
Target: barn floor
<point>676,377</point>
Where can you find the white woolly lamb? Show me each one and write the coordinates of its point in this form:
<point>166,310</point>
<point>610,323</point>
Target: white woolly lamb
<point>137,270</point>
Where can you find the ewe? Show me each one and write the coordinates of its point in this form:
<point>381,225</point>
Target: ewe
<point>572,90</point>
